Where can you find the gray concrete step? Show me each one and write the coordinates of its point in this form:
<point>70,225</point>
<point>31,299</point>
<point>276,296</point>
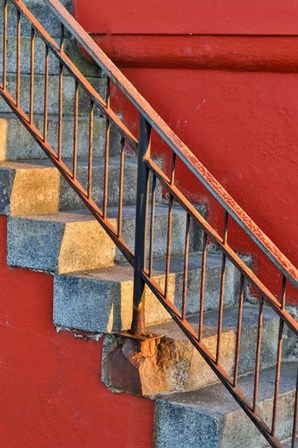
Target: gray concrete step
<point>40,11</point>
<point>53,96</point>
<point>13,132</point>
<point>211,418</point>
<point>101,300</point>
<point>178,366</point>
<point>36,187</point>
<point>72,241</point>
<point>70,49</point>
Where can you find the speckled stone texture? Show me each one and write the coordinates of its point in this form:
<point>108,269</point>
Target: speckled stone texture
<point>210,417</point>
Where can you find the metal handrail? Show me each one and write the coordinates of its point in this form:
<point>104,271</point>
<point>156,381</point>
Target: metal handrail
<point>174,142</point>
<point>149,173</point>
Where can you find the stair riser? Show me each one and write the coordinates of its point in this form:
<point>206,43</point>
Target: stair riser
<point>53,94</point>
<point>40,11</point>
<point>70,48</point>
<point>87,304</point>
<point>68,247</point>
<point>177,426</point>
<point>43,190</point>
<point>13,132</point>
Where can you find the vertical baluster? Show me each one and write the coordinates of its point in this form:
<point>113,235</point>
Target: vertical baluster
<point>90,152</point>
<point>107,154</point>
<point>239,330</point>
<point>202,287</point>
<point>152,222</point>
<point>32,68</point>
<point>170,224</point>
<point>75,131</point>
<point>5,18</point>
<point>185,273</point>
<point>294,433</point>
<point>60,99</point>
<point>222,290</point>
<point>46,94</point>
<point>258,355</point>
<point>279,356</point>
<point>18,87</point>
<point>138,321</point>
<point>121,184</point>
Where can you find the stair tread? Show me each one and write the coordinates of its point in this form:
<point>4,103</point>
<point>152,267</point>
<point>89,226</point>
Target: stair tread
<point>71,216</point>
<point>230,318</point>
<point>215,399</point>
<point>46,163</point>
<point>124,272</point>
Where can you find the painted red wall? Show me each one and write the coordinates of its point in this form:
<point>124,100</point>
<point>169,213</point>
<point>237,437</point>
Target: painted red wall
<point>242,125</point>
<point>188,16</point>
<point>50,392</point>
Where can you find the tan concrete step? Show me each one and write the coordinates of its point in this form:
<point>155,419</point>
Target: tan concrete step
<point>53,95</point>
<point>16,143</point>
<point>36,187</point>
<point>71,241</point>
<point>210,417</point>
<point>101,300</point>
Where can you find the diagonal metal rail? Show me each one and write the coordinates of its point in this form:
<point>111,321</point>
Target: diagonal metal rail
<point>149,174</point>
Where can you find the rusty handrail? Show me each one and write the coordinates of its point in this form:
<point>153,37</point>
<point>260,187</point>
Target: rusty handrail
<point>149,173</point>
<point>174,142</point>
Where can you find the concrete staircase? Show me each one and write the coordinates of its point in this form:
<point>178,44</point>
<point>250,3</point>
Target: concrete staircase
<point>48,230</point>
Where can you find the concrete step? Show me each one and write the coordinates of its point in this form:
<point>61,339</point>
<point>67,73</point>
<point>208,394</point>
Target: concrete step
<point>70,49</point>
<point>100,301</point>
<point>13,132</point>
<point>36,187</point>
<point>175,365</point>
<point>211,418</point>
<point>72,241</point>
<point>40,11</point>
<point>53,96</point>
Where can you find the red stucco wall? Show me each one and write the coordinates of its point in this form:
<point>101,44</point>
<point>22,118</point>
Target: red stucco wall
<point>50,392</point>
<point>242,125</point>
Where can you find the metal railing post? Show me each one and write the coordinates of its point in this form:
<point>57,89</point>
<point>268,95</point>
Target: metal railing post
<point>138,320</point>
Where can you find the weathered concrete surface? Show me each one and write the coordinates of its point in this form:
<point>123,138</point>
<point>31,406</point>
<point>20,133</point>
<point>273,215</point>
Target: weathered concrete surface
<point>210,417</point>
<point>37,187</point>
<point>74,241</point>
<point>176,364</point>
<point>16,143</point>
<point>101,300</point>
<point>41,12</point>
<point>53,98</point>
<point>70,49</point>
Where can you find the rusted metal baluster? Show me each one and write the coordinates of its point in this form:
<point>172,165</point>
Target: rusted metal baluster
<point>258,355</point>
<point>138,321</point>
<point>279,357</point>
<point>18,87</point>
<point>107,153</point>
<point>170,225</point>
<point>121,185</point>
<point>202,287</point>
<point>60,99</point>
<point>90,152</point>
<point>32,68</point>
<point>186,261</point>
<point>46,95</point>
<point>75,130</point>
<point>152,222</point>
<point>222,290</point>
<point>294,434</point>
<point>239,330</point>
<point>5,17</point>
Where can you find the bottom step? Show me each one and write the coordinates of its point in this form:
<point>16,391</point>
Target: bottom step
<point>211,418</point>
